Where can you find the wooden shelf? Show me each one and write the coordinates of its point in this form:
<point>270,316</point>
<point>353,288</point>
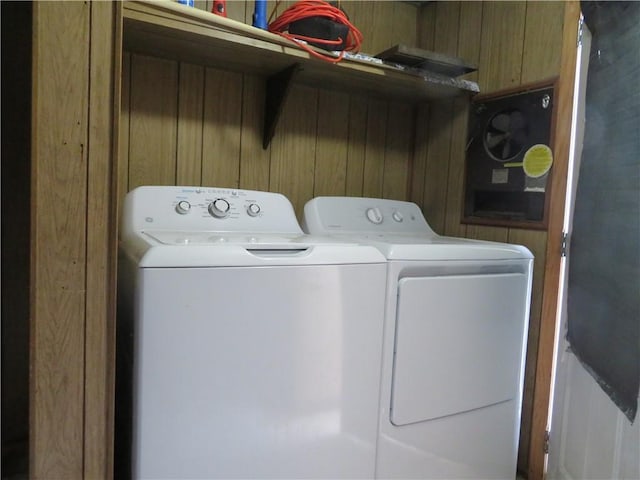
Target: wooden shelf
<point>175,31</point>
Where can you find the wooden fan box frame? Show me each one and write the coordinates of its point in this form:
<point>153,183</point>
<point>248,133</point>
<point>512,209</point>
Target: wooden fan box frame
<point>507,222</point>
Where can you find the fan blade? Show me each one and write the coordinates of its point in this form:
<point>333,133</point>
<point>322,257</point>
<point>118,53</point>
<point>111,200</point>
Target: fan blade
<point>494,139</point>
<point>506,150</point>
<point>501,122</point>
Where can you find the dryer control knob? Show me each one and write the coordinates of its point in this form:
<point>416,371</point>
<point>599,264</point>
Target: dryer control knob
<point>253,210</point>
<point>183,207</point>
<point>374,215</point>
<point>397,216</point>
<point>219,208</point>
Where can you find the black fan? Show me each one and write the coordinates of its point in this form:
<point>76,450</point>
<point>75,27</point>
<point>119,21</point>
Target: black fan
<point>506,135</point>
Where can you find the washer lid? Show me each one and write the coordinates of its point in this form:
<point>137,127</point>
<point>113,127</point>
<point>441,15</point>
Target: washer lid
<point>157,249</point>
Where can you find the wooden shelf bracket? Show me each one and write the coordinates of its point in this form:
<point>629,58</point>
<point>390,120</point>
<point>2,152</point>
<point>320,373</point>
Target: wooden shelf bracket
<point>277,90</point>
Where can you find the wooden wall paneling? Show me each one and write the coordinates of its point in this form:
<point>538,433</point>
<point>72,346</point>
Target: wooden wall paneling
<point>426,28</point>
<point>437,182</point>
<point>492,234</point>
<point>373,174</point>
<point>101,241</point>
<point>420,152</point>
<point>152,121</point>
<point>374,19</point>
<point>501,45</point>
<point>536,241</point>
<point>331,144</point>
<point>58,245</point>
<point>446,28</point>
<point>293,154</point>
<point>356,146</point>
<point>254,160</point>
<point>468,48</point>
<point>398,151</point>
<point>124,134</point>
<point>190,121</point>
<point>437,167</point>
<point>564,104</point>
<point>236,10</point>
<point>404,28</point>
<point>543,34</point>
<point>470,34</point>
<point>221,131</point>
<point>456,176</point>
<point>203,4</point>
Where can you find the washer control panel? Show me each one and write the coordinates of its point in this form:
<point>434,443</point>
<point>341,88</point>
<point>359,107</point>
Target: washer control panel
<point>153,208</point>
<point>326,215</point>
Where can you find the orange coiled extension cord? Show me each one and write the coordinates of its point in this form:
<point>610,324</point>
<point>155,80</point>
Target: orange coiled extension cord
<point>316,8</point>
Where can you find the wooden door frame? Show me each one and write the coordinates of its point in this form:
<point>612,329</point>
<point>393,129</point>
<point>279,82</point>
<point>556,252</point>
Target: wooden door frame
<point>549,319</point>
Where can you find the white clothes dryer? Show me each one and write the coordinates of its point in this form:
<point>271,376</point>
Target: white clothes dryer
<point>251,350</point>
<point>454,341</point>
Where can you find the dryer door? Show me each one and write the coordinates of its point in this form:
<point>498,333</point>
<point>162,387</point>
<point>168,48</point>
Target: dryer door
<point>459,344</point>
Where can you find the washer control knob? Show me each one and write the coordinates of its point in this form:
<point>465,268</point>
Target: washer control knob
<point>253,210</point>
<point>219,208</point>
<point>397,216</point>
<point>374,215</point>
<point>183,207</point>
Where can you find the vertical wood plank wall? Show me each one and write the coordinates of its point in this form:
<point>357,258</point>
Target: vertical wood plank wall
<point>192,124</point>
<point>59,174</point>
<point>513,43</point>
<point>72,234</point>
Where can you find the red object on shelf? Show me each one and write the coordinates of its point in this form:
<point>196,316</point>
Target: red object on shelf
<point>219,8</point>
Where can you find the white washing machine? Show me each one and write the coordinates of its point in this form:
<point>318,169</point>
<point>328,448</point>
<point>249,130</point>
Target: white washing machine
<point>255,350</point>
<point>454,341</point>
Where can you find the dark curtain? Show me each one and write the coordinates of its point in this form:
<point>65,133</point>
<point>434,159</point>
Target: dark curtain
<point>604,272</point>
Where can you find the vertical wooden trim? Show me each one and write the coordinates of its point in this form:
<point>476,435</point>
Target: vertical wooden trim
<point>562,135</point>
<point>124,124</point>
<point>104,77</point>
<point>58,244</point>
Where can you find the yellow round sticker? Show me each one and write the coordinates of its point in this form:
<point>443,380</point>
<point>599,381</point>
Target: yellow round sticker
<point>537,161</point>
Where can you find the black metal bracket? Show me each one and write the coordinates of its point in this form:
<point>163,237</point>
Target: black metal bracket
<point>277,90</point>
